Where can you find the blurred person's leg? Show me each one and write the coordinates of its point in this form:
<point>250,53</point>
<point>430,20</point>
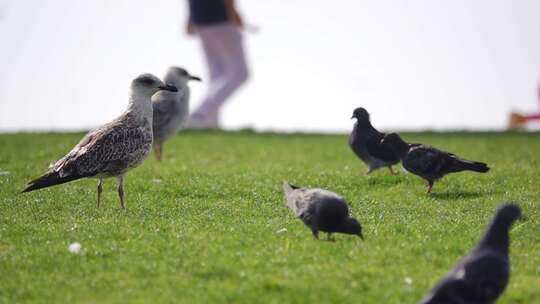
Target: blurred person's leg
<point>224,51</point>
<point>533,117</point>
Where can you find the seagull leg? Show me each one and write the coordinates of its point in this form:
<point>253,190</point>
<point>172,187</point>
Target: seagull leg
<point>99,190</point>
<point>392,170</point>
<point>429,187</point>
<point>158,149</point>
<point>121,190</point>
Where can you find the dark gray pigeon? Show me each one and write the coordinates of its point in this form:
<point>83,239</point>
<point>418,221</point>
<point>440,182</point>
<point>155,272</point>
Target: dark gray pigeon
<point>365,141</point>
<point>429,163</point>
<point>481,276</point>
<point>321,210</point>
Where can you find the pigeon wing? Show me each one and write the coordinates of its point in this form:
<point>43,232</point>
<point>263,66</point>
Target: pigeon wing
<point>381,151</point>
<point>486,276</point>
<point>423,160</point>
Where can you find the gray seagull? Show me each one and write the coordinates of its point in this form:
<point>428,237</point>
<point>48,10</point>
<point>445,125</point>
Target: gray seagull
<point>171,109</point>
<point>114,148</point>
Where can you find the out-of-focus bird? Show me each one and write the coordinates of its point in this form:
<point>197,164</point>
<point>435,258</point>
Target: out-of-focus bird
<point>171,109</point>
<point>365,141</point>
<point>482,275</point>
<point>429,163</point>
<point>114,148</point>
<point>321,210</point>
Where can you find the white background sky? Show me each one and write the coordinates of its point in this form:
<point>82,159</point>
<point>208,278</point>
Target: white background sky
<point>441,64</point>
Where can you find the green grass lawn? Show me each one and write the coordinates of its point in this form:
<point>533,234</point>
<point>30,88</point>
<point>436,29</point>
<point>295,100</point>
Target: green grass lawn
<point>202,225</point>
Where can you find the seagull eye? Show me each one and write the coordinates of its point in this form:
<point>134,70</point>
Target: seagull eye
<point>148,82</point>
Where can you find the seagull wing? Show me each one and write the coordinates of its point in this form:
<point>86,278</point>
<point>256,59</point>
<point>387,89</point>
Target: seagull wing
<point>104,150</point>
<point>110,149</point>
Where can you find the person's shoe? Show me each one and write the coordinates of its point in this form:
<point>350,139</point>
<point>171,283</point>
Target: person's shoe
<point>516,121</point>
<point>201,122</point>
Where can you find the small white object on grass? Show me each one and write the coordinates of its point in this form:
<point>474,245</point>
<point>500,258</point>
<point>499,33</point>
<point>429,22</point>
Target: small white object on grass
<point>75,248</point>
<point>408,280</point>
<point>282,230</point>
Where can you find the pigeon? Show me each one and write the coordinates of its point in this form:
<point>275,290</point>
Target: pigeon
<point>430,163</point>
<point>365,141</point>
<point>321,210</point>
<point>114,148</point>
<point>171,109</point>
<point>482,275</point>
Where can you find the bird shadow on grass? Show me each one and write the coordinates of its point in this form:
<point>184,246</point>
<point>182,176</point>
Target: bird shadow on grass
<point>384,180</point>
<point>454,195</point>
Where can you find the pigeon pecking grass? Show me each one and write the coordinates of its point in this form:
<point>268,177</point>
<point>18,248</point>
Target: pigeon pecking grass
<point>321,210</point>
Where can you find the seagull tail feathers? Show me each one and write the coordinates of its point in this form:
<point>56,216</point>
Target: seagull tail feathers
<point>49,179</point>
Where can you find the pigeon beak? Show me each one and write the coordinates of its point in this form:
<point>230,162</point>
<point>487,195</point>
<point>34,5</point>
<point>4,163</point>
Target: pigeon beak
<point>352,117</point>
<point>361,236</point>
<point>191,77</point>
<point>168,87</point>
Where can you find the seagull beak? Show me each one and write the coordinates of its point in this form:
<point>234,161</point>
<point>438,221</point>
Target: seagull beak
<point>191,77</point>
<point>168,87</point>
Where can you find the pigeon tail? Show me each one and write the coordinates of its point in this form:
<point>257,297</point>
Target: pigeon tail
<point>463,165</point>
<point>50,179</point>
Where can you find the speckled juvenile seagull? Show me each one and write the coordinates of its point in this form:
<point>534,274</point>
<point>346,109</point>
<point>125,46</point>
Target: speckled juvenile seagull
<point>114,148</point>
<point>171,109</point>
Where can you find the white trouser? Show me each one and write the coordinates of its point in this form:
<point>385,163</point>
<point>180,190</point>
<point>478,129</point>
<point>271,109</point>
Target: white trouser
<point>223,47</point>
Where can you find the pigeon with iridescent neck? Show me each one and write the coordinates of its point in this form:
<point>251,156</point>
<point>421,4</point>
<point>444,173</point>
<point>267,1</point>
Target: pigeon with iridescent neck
<point>365,142</point>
